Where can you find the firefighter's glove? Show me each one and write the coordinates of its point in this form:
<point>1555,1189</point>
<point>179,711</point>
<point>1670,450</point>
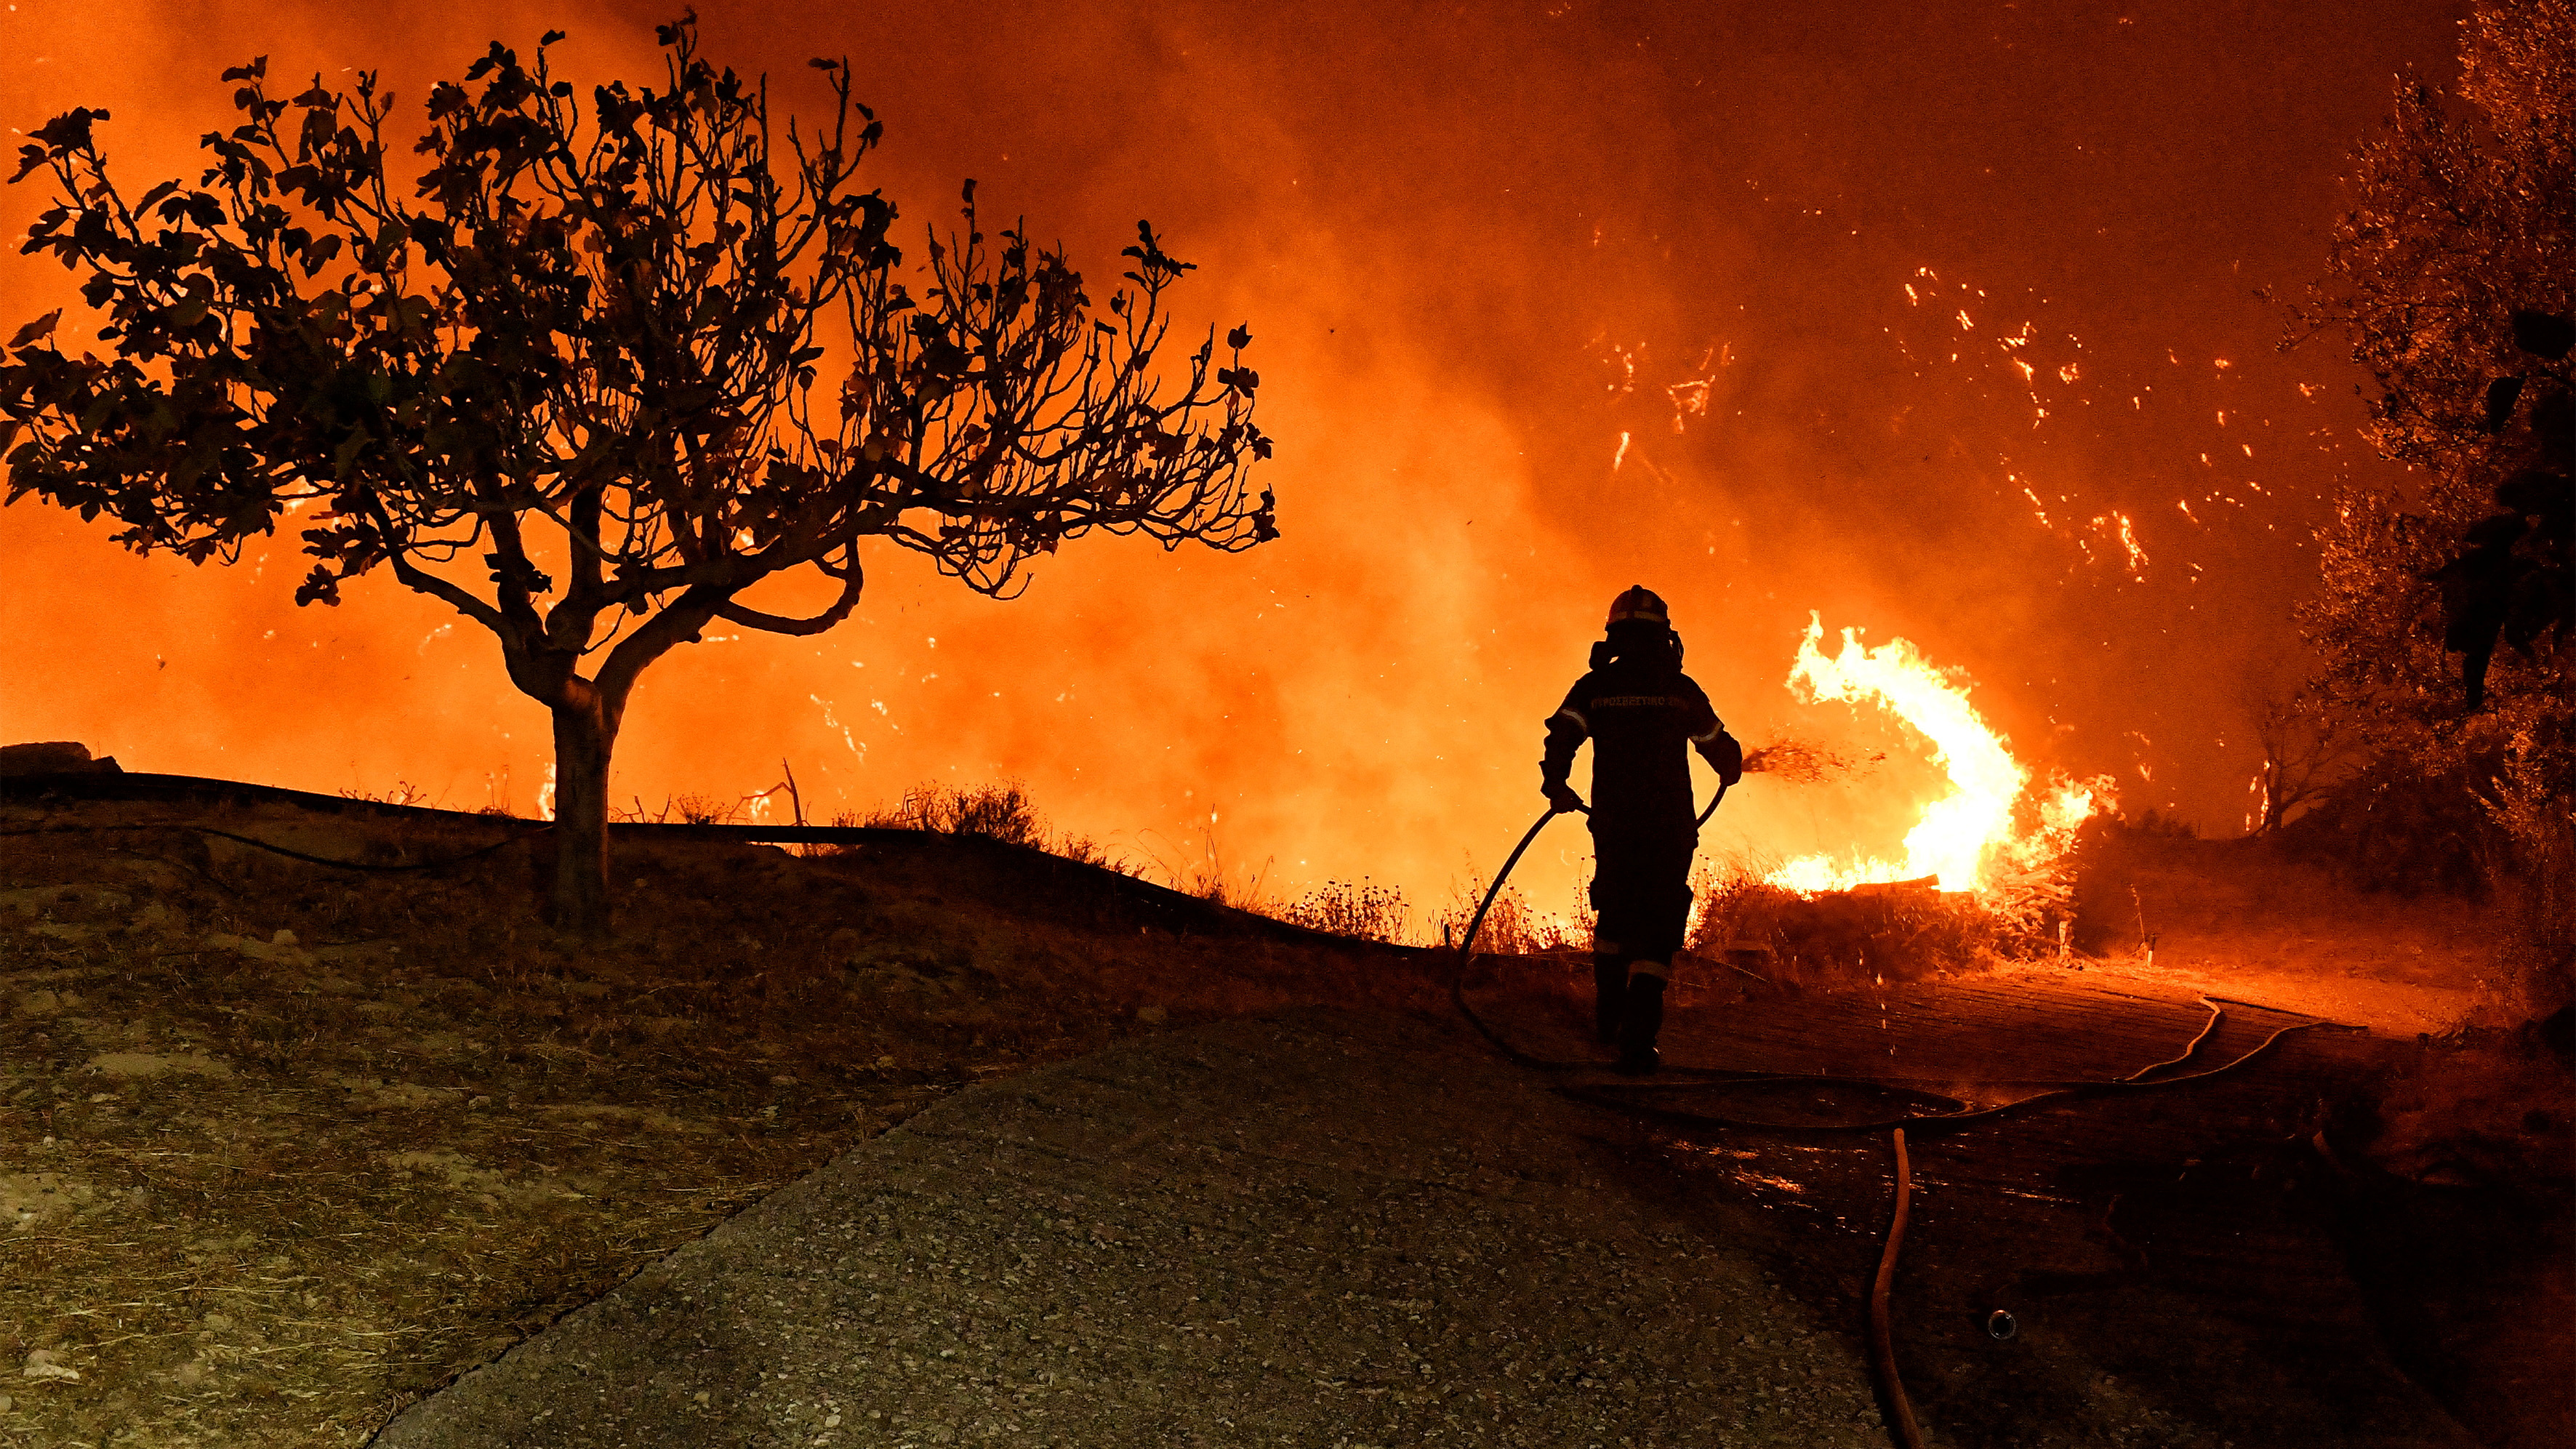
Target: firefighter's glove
<point>1725,755</point>
<point>1562,796</point>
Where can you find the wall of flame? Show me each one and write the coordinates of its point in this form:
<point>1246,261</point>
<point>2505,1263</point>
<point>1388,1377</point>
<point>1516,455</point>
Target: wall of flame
<point>1931,319</point>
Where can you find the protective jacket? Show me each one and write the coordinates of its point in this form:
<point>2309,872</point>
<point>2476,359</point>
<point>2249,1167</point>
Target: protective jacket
<point>1641,715</point>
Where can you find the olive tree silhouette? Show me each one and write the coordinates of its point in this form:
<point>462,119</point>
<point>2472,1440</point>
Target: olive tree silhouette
<point>570,387</point>
<point>2453,277</point>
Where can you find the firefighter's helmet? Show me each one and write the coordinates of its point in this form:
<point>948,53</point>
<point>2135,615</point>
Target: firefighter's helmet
<point>1639,602</point>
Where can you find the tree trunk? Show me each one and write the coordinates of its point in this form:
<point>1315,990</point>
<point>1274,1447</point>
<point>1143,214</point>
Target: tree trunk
<point>583,742</point>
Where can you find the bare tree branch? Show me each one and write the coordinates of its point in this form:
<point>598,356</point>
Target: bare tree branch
<point>750,618</point>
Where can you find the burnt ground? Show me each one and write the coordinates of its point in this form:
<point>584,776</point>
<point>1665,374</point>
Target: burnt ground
<point>288,1150</point>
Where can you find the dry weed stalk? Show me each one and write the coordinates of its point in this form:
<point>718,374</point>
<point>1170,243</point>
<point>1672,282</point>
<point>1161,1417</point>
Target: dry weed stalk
<point>1002,812</point>
<point>1513,927</point>
<point>1359,909</point>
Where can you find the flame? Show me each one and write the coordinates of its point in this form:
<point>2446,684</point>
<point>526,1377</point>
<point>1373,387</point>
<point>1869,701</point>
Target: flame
<point>1991,823</point>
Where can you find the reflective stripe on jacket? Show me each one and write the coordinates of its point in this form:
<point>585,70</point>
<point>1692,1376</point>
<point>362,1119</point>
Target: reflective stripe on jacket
<point>1641,718</point>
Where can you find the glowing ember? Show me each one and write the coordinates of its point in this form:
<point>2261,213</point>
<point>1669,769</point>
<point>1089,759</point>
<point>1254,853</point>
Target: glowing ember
<point>1989,825</point>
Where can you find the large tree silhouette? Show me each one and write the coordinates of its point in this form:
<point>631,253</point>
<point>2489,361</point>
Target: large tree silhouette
<point>2454,278</point>
<point>597,375</point>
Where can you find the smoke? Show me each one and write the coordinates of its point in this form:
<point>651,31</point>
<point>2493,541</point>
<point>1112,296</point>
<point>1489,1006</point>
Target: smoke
<point>1935,320</point>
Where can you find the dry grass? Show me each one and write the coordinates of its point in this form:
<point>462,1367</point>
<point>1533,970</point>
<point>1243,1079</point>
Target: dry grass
<point>1361,910</point>
<point>1513,927</point>
<point>264,1189</point>
<point>685,810</point>
<point>1202,871</point>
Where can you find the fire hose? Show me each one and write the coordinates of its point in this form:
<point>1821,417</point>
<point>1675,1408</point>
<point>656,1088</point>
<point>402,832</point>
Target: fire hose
<point>1882,1351</point>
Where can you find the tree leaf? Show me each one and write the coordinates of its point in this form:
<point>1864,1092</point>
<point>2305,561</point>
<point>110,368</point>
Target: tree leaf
<point>41,327</point>
<point>2501,396</point>
<point>2543,335</point>
<point>70,130</point>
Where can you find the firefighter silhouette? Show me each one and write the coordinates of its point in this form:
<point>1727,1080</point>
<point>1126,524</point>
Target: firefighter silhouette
<point>1641,714</point>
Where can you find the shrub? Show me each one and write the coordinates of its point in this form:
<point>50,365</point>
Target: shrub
<point>1362,910</point>
<point>2170,827</point>
<point>1513,927</point>
<point>1083,850</point>
<point>1001,812</point>
<point>2394,827</point>
<point>998,812</point>
<point>702,809</point>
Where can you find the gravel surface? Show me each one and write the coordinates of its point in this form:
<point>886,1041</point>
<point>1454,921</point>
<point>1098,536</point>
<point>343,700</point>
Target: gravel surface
<point>1305,1229</point>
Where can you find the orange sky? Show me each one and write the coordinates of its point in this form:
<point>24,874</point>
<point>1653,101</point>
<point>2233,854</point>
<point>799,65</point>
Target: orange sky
<point>1476,251</point>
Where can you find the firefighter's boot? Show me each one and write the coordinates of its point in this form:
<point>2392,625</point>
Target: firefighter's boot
<point>1609,995</point>
<point>1642,1023</point>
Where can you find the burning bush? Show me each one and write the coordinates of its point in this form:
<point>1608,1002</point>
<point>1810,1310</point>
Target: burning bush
<point>1985,871</point>
<point>1900,929</point>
